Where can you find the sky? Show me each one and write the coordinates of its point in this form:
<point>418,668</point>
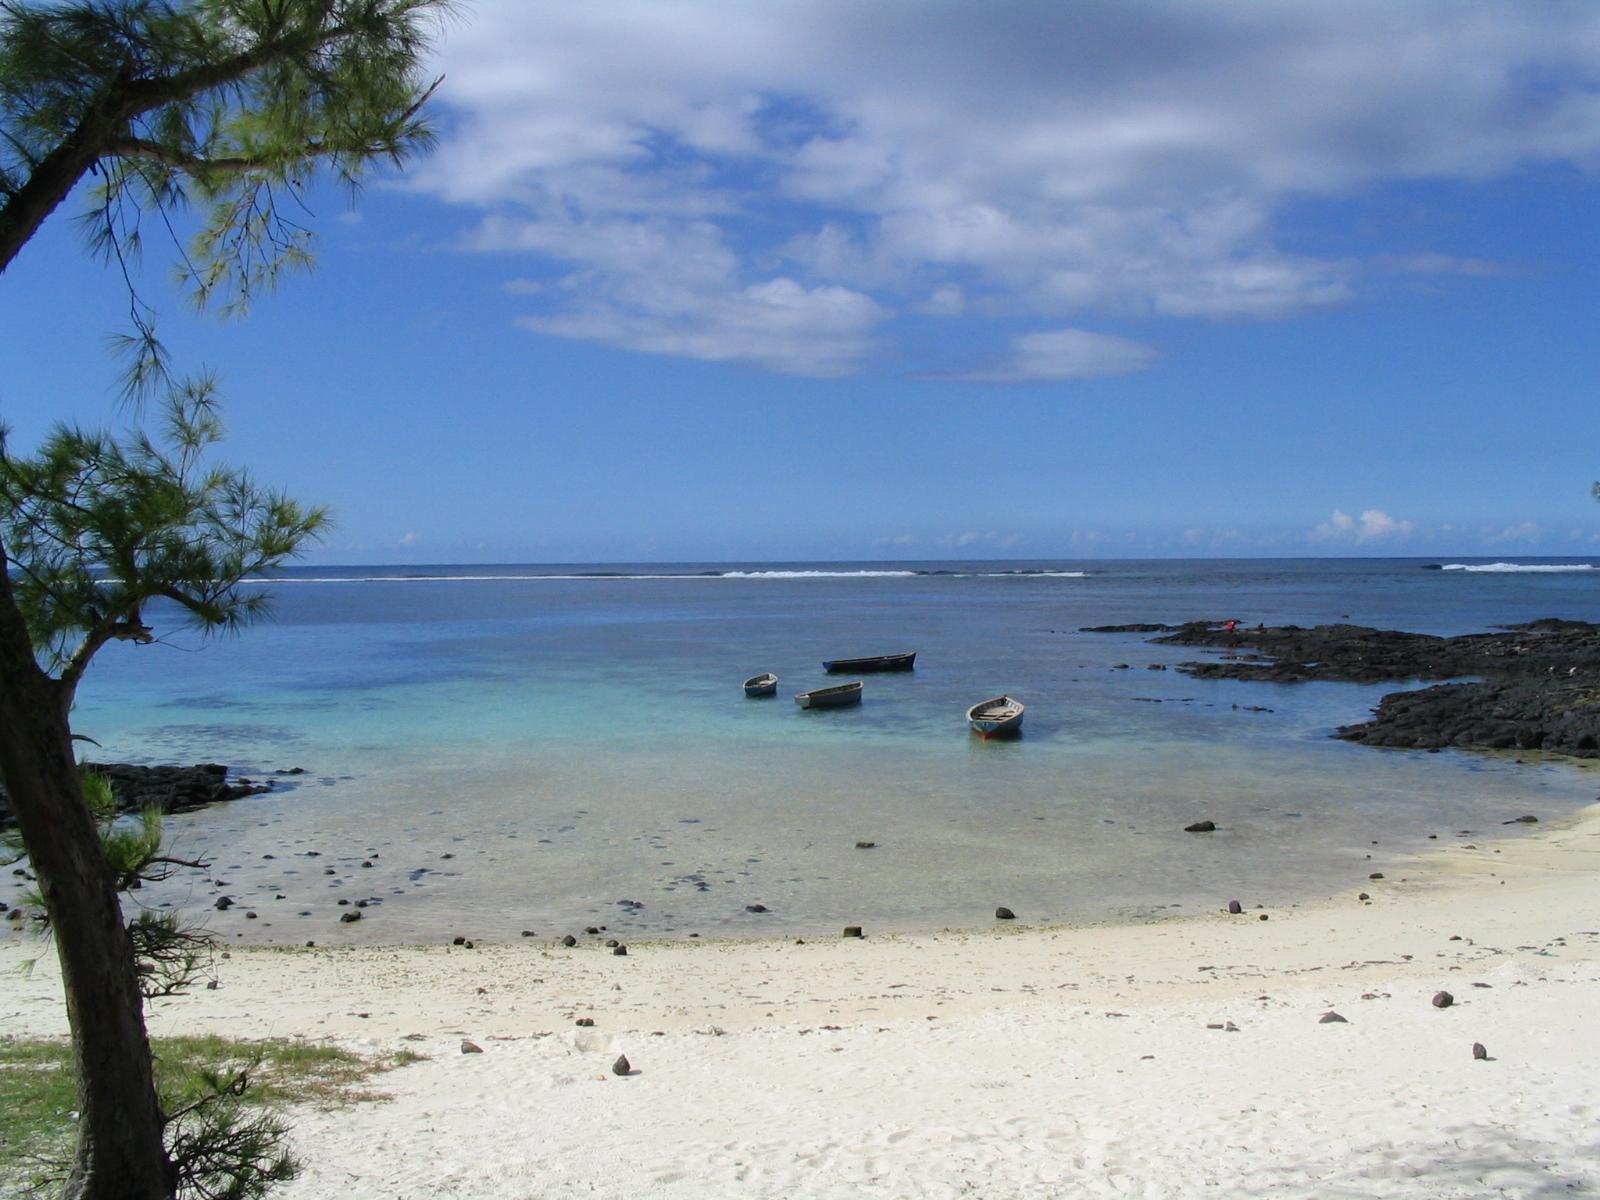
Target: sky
<point>867,279</point>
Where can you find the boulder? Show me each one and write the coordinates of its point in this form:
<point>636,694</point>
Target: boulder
<point>169,789</point>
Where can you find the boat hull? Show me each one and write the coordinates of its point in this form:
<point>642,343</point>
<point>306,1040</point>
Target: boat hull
<point>831,697</point>
<point>997,718</point>
<point>759,687</point>
<point>877,662</point>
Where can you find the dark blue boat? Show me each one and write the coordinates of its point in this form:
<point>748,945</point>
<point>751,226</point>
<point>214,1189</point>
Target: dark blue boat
<point>879,662</point>
<point>831,697</point>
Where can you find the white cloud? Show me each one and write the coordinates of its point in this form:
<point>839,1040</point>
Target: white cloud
<point>1223,538</point>
<point>1525,531</point>
<point>1371,526</point>
<point>1103,159</point>
<point>965,540</point>
<point>674,287</point>
<point>1444,264</point>
<point>409,538</point>
<point>945,301</point>
<point>972,539</point>
<point>779,325</point>
<point>1068,354</point>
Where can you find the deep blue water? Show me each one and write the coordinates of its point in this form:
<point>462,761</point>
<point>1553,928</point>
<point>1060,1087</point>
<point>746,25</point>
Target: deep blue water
<point>574,736</point>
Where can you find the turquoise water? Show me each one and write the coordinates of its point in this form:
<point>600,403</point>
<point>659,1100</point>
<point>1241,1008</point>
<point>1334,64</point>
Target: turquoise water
<point>520,748</point>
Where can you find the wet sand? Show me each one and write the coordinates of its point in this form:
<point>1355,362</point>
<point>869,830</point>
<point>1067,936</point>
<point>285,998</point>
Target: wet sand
<point>1177,1057</point>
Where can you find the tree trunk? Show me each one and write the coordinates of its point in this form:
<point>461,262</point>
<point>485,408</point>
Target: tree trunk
<point>120,1153</point>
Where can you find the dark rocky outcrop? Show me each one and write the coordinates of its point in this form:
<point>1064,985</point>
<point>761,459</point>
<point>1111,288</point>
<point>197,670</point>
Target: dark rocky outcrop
<point>169,789</point>
<point>1527,687</point>
<point>1541,651</point>
<point>1137,627</point>
<point>1562,717</point>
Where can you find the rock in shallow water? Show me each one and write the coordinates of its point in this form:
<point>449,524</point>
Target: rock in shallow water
<point>1536,689</point>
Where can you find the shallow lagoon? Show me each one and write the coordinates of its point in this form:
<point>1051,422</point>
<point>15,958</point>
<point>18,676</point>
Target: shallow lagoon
<point>523,748</point>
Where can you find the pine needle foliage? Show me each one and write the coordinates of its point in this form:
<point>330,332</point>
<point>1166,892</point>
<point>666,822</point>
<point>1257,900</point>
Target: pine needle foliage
<point>149,108</point>
<point>99,526</point>
<point>230,106</point>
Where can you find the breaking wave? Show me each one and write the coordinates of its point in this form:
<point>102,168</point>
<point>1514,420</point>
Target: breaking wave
<point>1506,568</point>
<point>897,573</point>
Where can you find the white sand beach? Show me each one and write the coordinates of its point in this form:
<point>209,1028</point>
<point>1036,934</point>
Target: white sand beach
<point>1173,1058</point>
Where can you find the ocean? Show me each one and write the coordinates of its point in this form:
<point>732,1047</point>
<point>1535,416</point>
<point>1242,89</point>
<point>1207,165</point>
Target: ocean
<point>489,750</point>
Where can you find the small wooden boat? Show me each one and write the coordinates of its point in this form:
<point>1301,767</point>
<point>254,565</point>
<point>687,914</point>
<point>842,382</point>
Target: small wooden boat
<point>878,662</point>
<point>761,685</point>
<point>1000,717</point>
<point>831,697</point>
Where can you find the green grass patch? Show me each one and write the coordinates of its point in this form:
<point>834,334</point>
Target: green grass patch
<point>38,1098</point>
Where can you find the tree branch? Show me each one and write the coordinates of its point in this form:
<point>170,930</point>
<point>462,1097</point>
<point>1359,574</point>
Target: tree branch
<point>190,164</point>
<point>105,121</point>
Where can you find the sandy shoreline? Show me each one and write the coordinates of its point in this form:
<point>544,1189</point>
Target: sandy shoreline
<point>1095,1061</point>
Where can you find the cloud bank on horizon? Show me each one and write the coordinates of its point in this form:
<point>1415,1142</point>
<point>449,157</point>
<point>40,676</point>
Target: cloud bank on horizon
<point>786,185</point>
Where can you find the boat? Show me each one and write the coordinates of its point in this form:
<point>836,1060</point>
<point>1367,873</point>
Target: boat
<point>1000,717</point>
<point>831,697</point>
<point>877,662</point>
<point>765,684</point>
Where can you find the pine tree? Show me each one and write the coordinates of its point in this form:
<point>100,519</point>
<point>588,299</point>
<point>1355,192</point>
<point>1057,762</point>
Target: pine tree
<point>146,106</point>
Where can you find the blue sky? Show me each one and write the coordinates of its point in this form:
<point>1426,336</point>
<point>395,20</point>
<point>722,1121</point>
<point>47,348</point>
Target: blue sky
<point>880,280</point>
